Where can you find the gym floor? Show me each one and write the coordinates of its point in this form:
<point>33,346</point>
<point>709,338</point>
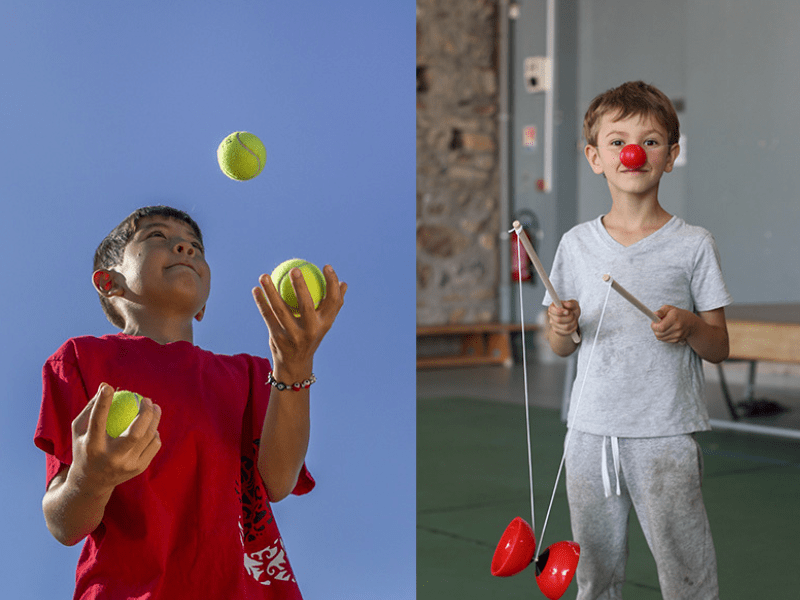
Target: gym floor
<point>472,480</point>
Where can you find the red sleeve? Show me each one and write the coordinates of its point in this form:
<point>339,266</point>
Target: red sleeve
<point>63,397</point>
<point>260,392</point>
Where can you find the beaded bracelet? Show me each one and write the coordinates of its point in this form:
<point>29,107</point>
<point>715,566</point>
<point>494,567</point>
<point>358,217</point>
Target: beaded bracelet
<point>295,387</point>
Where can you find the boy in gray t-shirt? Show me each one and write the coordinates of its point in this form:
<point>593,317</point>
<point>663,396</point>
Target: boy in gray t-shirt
<point>631,442</point>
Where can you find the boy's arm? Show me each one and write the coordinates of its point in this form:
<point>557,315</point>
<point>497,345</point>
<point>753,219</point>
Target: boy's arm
<point>293,342</point>
<point>72,513</point>
<point>75,500</point>
<point>285,434</point>
<point>561,322</point>
<point>706,332</point>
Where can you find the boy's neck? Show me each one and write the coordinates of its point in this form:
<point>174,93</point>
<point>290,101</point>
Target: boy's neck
<point>634,218</point>
<point>163,331</point>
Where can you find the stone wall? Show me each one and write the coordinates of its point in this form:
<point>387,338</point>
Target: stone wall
<point>457,161</point>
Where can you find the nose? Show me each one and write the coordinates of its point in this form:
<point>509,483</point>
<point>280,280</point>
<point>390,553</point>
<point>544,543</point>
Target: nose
<point>633,156</point>
<point>184,247</point>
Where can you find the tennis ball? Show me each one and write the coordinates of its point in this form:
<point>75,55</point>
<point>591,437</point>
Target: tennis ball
<point>241,155</point>
<point>124,408</point>
<point>315,281</point>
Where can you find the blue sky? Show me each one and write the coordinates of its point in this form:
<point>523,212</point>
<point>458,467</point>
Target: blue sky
<point>109,106</point>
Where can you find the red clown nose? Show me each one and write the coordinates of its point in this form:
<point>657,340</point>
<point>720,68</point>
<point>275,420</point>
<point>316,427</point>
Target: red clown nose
<point>633,156</point>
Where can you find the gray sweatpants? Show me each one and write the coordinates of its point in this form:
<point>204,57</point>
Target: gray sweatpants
<point>661,478</point>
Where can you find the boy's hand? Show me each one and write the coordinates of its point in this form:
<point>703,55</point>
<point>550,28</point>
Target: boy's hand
<point>563,321</point>
<point>676,324</point>
<point>294,340</point>
<point>101,462</point>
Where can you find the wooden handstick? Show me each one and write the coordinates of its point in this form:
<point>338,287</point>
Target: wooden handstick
<point>631,298</point>
<point>537,264</point>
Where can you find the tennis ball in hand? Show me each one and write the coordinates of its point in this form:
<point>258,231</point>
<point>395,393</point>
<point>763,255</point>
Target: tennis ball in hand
<point>124,408</point>
<point>241,155</point>
<point>311,273</point>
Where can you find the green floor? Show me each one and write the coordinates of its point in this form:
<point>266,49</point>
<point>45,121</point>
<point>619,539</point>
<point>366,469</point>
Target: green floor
<point>472,479</point>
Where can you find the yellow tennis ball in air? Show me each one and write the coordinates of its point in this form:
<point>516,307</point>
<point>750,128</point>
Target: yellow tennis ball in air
<point>315,281</point>
<point>241,155</point>
<point>124,408</point>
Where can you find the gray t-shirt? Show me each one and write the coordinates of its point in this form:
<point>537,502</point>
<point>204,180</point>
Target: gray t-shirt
<point>638,386</point>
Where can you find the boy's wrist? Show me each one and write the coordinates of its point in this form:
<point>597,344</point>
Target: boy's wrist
<point>291,373</point>
<point>87,486</point>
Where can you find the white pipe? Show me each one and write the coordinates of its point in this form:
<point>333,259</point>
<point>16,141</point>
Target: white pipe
<point>503,139</point>
<point>750,428</point>
<point>549,98</point>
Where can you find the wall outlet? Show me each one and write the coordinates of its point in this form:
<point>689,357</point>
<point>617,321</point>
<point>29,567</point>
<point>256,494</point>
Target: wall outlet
<point>538,74</point>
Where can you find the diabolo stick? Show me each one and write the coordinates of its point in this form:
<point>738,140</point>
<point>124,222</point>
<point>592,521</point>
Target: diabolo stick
<point>537,264</point>
<point>631,298</point>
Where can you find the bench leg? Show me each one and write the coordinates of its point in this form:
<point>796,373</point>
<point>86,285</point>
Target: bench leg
<point>499,347</point>
<point>726,393</point>
<point>473,345</point>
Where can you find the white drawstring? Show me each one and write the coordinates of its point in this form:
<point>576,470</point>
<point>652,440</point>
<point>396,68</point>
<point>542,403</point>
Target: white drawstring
<point>604,459</point>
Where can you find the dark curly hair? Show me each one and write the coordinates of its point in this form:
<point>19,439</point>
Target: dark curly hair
<point>111,250</point>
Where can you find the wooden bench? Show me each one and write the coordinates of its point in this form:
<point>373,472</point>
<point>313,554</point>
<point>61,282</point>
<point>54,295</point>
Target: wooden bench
<point>768,332</point>
<point>480,344</point>
<point>760,332</point>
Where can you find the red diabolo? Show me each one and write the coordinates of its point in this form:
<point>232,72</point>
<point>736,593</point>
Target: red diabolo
<point>633,156</point>
<point>515,550</point>
<point>555,568</point>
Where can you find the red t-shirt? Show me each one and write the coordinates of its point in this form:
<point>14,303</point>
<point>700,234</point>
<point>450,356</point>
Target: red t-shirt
<point>196,523</point>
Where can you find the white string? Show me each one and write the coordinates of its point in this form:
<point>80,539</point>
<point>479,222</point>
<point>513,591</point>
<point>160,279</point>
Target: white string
<point>574,415</point>
<point>525,377</point>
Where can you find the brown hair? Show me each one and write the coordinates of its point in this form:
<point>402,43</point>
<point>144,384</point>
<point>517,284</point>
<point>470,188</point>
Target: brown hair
<point>631,99</point>
<point>112,249</point>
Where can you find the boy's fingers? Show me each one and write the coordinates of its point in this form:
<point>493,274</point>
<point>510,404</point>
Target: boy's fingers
<point>143,420</point>
<point>334,297</point>
<point>81,423</point>
<point>152,449</point>
<point>99,412</point>
<point>331,281</point>
<point>152,436</point>
<point>261,300</point>
<point>266,298</point>
<point>277,307</point>
<point>305,303</point>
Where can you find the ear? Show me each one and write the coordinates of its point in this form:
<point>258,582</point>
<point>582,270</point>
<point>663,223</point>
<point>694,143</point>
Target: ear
<point>593,156</point>
<point>104,281</point>
<point>199,316</point>
<point>674,151</point>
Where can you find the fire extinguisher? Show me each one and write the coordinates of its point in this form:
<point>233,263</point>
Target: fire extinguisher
<point>523,270</point>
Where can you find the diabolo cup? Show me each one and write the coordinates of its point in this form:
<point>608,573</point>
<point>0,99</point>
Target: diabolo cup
<point>515,550</point>
<point>555,568</point>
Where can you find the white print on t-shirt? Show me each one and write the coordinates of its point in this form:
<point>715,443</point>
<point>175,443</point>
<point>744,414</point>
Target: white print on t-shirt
<point>268,565</point>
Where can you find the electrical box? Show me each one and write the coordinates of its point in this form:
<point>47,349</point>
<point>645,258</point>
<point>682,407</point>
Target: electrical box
<point>538,74</point>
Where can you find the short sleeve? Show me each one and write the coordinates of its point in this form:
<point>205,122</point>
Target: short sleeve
<point>709,291</point>
<point>63,397</point>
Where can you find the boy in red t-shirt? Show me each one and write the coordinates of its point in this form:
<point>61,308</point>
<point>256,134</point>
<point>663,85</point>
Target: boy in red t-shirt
<point>178,505</point>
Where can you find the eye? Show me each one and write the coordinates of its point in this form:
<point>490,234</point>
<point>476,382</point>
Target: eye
<point>155,233</point>
<point>617,143</point>
<point>198,246</point>
<point>651,143</point>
